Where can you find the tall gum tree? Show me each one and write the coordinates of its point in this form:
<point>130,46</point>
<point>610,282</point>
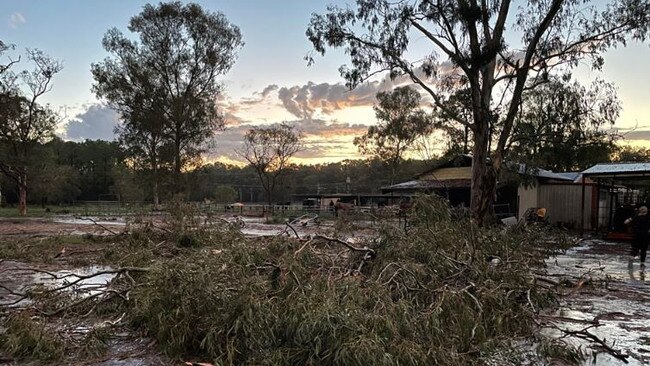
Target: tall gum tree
<point>24,122</point>
<point>182,50</point>
<point>269,151</point>
<point>400,122</point>
<point>462,45</point>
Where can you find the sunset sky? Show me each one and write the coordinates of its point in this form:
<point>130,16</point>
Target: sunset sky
<point>270,81</point>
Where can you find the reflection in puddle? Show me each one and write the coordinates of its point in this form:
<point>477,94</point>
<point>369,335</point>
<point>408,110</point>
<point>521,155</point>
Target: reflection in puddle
<point>615,313</point>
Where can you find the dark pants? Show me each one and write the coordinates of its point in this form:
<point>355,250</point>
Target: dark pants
<point>640,246</point>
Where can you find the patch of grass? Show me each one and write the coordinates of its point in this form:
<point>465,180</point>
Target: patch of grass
<point>28,339</point>
<point>32,211</point>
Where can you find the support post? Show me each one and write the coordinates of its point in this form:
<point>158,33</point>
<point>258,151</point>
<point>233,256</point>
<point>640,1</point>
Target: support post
<point>582,209</point>
<point>597,211</point>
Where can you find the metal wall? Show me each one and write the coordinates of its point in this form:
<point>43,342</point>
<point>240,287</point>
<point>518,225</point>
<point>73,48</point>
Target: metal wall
<point>562,203</point>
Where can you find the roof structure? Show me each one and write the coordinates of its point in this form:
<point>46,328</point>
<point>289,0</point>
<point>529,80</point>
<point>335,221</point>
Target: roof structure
<point>430,184</point>
<point>618,170</point>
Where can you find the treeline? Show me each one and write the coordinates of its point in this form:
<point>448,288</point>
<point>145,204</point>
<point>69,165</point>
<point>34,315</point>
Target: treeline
<point>62,172</point>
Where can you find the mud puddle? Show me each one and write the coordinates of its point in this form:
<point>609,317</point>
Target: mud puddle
<point>614,310</point>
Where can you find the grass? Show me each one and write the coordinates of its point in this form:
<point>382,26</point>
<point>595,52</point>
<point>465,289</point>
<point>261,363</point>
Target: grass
<point>32,211</point>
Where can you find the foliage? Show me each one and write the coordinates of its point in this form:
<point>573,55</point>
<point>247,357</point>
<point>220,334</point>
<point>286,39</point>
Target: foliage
<point>269,150</point>
<point>563,126</point>
<point>401,122</point>
<point>432,296</point>
<point>465,48</point>
<point>27,339</point>
<point>225,194</point>
<point>164,85</point>
<point>126,184</point>
<point>631,154</point>
<point>24,123</point>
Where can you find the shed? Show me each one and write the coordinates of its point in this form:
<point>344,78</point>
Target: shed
<point>627,185</point>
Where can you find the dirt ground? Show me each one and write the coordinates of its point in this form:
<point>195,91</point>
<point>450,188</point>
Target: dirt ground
<point>57,226</point>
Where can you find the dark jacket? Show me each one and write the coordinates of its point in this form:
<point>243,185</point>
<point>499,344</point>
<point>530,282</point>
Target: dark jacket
<point>640,225</point>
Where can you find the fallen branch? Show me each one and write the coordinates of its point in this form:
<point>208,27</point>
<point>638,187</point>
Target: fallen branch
<point>96,223</point>
<point>347,245</point>
<point>584,334</point>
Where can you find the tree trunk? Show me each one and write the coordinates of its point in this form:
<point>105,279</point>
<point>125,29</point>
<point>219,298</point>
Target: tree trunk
<point>22,194</point>
<point>156,199</point>
<point>178,166</point>
<point>483,189</point>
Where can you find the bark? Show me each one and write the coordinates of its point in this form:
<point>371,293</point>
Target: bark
<point>480,198</point>
<point>156,198</point>
<point>22,194</point>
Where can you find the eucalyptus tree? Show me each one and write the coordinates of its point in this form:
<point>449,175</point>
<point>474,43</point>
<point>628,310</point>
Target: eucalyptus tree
<point>24,122</point>
<point>566,126</point>
<point>166,83</point>
<point>497,49</point>
<point>269,150</point>
<point>401,122</point>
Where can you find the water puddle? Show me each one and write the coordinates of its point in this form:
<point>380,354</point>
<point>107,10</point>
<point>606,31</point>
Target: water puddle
<point>89,221</point>
<point>616,312</point>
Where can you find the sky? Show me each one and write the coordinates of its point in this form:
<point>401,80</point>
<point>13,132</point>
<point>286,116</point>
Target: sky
<point>270,81</point>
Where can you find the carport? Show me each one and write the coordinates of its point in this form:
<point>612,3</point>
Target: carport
<point>626,184</point>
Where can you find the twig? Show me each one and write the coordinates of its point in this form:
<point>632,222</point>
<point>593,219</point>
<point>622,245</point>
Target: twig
<point>292,229</point>
<point>96,223</point>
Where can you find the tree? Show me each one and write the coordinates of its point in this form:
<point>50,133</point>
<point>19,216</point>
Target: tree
<point>225,194</point>
<point>468,50</point>
<point>564,126</point>
<point>401,122</point>
<point>631,154</point>
<point>269,150</point>
<point>166,84</point>
<point>24,123</point>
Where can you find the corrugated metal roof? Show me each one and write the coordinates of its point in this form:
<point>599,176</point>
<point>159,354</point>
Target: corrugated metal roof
<point>618,168</point>
<point>570,175</point>
<point>543,173</point>
<point>430,184</point>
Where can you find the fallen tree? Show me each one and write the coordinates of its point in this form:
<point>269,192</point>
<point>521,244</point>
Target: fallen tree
<point>445,292</point>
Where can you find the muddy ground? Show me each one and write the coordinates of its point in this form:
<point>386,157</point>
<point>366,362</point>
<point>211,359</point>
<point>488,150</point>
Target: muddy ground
<point>605,296</point>
<point>610,300</point>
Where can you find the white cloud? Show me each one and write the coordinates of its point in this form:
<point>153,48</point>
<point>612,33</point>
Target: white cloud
<point>96,122</point>
<point>17,19</point>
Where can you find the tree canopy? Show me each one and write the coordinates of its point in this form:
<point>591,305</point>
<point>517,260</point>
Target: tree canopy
<point>464,45</point>
<point>401,122</point>
<point>165,84</point>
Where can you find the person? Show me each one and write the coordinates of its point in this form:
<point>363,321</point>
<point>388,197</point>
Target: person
<point>640,225</point>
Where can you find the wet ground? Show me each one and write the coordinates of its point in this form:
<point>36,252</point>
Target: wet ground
<point>608,298</point>
<point>64,225</point>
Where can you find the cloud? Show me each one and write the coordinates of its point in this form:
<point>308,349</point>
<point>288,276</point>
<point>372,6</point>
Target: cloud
<point>17,19</point>
<point>323,139</point>
<point>636,135</point>
<point>97,122</point>
<point>305,101</point>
